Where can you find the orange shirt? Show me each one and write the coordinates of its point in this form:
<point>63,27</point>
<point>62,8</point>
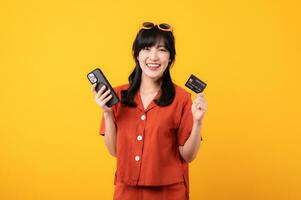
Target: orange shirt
<point>147,140</point>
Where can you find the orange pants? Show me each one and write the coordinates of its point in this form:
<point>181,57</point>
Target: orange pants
<point>176,191</point>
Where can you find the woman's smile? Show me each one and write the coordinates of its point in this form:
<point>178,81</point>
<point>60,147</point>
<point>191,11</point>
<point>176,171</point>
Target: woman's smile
<point>153,66</point>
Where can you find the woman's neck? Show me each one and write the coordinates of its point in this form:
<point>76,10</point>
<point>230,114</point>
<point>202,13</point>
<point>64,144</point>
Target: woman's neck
<point>148,85</point>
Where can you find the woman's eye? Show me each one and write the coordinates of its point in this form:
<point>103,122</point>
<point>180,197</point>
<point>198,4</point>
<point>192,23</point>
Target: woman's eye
<point>146,48</point>
<point>163,50</point>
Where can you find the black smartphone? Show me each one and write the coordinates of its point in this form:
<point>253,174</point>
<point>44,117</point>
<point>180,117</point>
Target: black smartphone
<point>96,76</point>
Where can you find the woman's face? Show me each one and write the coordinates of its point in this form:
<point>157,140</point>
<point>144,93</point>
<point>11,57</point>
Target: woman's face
<point>154,60</point>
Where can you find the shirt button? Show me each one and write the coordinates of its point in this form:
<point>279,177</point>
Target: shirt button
<point>139,137</point>
<point>143,117</point>
<point>137,158</point>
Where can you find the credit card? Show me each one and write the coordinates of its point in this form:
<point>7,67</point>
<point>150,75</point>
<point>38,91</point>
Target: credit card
<point>195,84</point>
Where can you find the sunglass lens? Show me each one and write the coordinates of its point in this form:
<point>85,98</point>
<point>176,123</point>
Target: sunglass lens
<point>164,26</point>
<point>148,24</point>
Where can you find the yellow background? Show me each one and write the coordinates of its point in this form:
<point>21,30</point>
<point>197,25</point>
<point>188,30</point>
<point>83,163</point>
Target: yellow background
<point>247,51</point>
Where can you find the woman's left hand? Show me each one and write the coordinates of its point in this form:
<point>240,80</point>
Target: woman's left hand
<point>198,108</point>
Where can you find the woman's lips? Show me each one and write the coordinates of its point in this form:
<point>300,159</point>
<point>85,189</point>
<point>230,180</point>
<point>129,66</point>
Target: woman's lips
<point>153,67</point>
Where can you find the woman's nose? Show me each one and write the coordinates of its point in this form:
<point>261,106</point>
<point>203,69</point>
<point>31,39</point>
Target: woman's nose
<point>153,55</point>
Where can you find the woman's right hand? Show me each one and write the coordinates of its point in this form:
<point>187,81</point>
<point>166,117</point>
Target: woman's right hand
<point>101,98</point>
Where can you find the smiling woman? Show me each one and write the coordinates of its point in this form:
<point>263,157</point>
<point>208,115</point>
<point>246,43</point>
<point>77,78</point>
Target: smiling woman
<point>154,131</point>
<point>155,58</point>
<point>154,54</point>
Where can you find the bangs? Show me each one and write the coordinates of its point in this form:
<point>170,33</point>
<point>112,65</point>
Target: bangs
<point>149,39</point>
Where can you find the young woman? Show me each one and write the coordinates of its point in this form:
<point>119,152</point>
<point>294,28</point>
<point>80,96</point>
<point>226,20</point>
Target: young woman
<point>155,131</point>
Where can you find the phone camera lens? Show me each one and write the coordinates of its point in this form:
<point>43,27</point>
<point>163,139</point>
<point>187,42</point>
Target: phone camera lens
<point>91,75</point>
<point>92,78</point>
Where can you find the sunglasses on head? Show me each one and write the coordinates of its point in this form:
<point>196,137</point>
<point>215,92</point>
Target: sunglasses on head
<point>162,26</point>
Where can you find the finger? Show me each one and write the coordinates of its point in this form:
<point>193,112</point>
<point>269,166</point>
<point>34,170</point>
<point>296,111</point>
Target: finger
<point>99,93</point>
<point>201,105</point>
<point>104,102</point>
<point>200,95</point>
<point>201,99</point>
<point>107,99</point>
<point>198,101</point>
<point>103,96</point>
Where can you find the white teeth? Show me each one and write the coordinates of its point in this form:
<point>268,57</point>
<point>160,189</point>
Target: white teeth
<point>153,65</point>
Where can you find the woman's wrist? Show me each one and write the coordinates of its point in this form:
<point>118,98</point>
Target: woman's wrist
<point>197,122</point>
<point>107,114</point>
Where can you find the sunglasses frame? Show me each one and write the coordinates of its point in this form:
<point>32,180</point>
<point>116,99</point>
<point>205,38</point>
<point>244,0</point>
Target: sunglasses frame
<point>152,24</point>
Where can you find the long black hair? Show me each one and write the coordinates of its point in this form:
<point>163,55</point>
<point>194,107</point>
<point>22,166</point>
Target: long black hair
<point>148,38</point>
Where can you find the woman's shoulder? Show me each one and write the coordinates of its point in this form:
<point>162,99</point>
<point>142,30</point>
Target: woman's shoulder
<point>118,88</point>
<point>181,92</point>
